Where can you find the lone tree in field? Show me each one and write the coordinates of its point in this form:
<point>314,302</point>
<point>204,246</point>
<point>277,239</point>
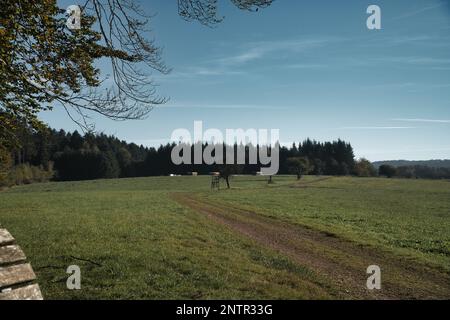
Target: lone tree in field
<point>299,166</point>
<point>226,174</point>
<point>226,171</point>
<point>44,64</point>
<point>364,168</point>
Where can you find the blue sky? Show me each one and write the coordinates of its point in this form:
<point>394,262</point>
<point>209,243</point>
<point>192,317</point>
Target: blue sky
<point>309,68</point>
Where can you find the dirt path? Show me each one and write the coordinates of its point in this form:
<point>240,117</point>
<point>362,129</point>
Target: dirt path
<point>304,184</point>
<point>342,263</point>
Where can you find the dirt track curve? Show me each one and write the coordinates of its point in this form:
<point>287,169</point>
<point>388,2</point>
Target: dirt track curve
<point>341,262</point>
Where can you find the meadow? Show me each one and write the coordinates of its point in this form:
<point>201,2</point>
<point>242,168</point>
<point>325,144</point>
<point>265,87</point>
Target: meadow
<point>173,237</point>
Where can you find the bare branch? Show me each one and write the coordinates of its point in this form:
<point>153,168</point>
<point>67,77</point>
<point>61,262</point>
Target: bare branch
<point>205,11</point>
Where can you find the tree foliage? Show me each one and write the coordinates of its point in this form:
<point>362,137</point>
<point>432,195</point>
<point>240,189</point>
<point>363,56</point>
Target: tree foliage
<point>299,166</point>
<point>92,156</point>
<point>387,170</point>
<point>364,168</point>
<point>44,64</point>
<point>5,163</point>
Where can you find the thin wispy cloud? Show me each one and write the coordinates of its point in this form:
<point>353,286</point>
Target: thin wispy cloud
<point>424,60</point>
<point>394,86</point>
<point>258,50</point>
<point>402,40</point>
<point>419,11</point>
<point>374,128</point>
<point>428,62</point>
<point>192,72</point>
<point>410,60</point>
<point>231,65</point>
<point>211,71</point>
<point>408,86</point>
<point>410,39</point>
<point>252,54</point>
<point>221,106</point>
<point>440,68</point>
<point>306,66</point>
<point>422,120</point>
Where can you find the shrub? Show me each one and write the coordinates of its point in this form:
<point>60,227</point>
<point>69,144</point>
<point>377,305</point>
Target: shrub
<point>364,168</point>
<point>26,174</point>
<point>5,165</point>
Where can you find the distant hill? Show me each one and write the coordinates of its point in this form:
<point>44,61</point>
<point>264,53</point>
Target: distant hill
<point>401,163</point>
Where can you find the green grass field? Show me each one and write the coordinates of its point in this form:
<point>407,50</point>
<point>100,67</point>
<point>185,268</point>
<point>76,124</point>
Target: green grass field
<point>133,240</point>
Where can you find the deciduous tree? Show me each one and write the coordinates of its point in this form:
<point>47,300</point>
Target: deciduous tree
<point>299,166</point>
<point>44,64</point>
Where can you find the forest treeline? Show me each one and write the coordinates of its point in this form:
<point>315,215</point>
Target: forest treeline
<point>60,155</point>
<point>414,171</point>
<point>72,156</point>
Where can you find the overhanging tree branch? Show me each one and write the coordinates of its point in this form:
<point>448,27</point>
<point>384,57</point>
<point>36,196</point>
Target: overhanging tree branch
<point>43,63</point>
